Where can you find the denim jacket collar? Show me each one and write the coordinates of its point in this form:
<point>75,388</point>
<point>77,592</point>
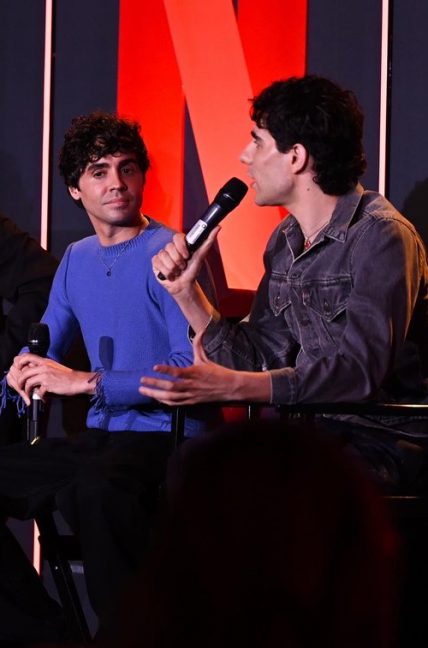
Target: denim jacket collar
<point>342,216</point>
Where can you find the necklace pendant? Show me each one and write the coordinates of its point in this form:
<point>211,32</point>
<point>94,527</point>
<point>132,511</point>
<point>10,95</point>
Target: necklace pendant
<point>307,244</point>
<point>108,273</point>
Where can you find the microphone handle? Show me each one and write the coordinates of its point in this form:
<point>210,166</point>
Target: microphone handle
<point>201,229</point>
<point>34,412</point>
<point>204,226</point>
<point>38,343</point>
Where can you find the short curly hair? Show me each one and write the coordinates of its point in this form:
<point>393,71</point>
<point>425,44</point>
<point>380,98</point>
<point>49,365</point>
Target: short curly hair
<point>91,137</point>
<point>326,119</point>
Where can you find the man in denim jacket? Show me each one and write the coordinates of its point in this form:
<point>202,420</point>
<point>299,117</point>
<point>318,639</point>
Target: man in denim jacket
<point>341,312</point>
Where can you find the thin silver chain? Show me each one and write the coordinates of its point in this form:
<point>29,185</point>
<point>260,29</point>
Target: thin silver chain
<point>118,255</point>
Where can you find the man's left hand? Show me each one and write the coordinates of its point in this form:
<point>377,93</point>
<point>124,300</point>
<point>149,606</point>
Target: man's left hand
<point>202,382</point>
<point>205,382</point>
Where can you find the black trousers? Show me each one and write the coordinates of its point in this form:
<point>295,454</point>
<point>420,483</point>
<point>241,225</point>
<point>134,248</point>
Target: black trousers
<point>105,485</point>
<point>12,427</point>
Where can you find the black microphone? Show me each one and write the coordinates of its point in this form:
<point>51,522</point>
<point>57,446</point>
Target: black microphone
<point>38,343</point>
<point>229,197</point>
<point>38,339</point>
<point>106,351</point>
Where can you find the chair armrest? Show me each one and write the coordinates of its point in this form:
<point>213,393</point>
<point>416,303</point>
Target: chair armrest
<point>308,409</point>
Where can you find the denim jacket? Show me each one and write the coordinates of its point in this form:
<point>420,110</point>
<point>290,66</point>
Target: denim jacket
<point>344,320</point>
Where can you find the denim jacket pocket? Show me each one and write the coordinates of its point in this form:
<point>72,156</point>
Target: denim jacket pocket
<point>279,293</point>
<point>327,297</point>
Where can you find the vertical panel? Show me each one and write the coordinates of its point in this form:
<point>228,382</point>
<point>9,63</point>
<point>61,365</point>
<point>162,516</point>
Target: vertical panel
<point>46,127</point>
<point>84,79</point>
<point>21,72</point>
<point>274,39</point>
<point>344,43</point>
<point>149,90</point>
<point>385,97</point>
<point>409,132</point>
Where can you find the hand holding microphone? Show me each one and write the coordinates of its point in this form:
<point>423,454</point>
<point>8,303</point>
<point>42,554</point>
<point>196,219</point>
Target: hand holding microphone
<point>38,343</point>
<point>229,197</point>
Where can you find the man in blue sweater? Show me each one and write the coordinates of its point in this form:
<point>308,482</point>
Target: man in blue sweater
<point>105,288</point>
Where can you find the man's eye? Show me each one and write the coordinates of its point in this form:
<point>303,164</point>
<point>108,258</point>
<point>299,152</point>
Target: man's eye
<point>128,170</point>
<point>98,174</point>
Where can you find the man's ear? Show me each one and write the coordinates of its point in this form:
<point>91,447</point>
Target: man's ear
<point>300,158</point>
<point>74,193</point>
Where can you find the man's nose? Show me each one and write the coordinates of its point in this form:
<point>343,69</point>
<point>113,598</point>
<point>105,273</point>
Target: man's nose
<point>245,156</point>
<point>117,181</point>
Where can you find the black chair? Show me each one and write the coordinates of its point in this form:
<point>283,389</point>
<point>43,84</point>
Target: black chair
<point>60,550</point>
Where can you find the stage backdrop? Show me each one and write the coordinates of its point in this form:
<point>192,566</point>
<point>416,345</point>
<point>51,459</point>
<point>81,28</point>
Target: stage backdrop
<point>186,69</point>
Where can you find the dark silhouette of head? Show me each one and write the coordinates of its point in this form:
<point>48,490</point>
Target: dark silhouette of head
<point>271,537</point>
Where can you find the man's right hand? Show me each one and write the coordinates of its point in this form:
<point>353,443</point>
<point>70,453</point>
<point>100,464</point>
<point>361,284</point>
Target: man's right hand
<point>177,266</point>
<point>31,372</point>
<point>180,271</point>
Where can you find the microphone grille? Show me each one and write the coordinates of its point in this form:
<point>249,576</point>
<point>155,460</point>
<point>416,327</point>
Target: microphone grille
<point>38,338</point>
<point>234,190</point>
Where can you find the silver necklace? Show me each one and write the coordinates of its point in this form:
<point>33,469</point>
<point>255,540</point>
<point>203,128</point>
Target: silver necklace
<point>109,267</point>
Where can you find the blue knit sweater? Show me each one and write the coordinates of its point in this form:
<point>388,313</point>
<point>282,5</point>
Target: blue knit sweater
<point>128,322</point>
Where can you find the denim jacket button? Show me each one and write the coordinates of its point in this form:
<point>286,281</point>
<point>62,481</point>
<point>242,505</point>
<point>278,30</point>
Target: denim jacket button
<point>327,308</point>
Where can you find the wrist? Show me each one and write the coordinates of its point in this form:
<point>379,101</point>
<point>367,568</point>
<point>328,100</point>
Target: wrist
<point>89,382</point>
<point>196,308</point>
<point>253,386</point>
<point>187,296</point>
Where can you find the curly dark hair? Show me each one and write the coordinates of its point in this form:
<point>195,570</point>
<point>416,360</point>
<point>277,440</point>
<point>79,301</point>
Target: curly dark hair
<point>91,137</point>
<point>326,119</point>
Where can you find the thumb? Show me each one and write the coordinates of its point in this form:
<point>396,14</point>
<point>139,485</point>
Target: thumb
<point>202,251</point>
